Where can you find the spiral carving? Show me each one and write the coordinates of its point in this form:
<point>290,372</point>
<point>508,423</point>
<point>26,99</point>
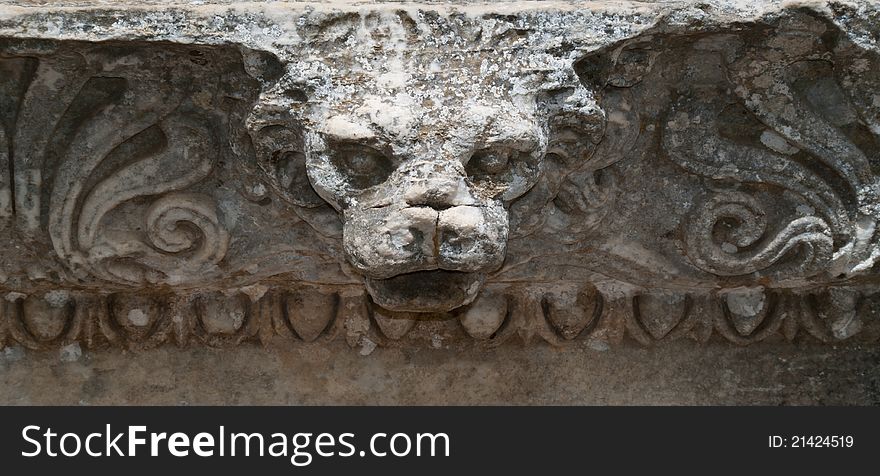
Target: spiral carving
<point>182,221</point>
<point>745,249</point>
<point>184,236</point>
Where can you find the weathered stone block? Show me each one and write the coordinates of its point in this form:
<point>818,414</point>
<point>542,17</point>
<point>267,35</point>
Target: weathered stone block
<point>219,173</point>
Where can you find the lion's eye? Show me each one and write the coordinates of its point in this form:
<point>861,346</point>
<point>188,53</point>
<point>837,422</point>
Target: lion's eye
<point>499,164</point>
<point>505,171</point>
<point>363,166</point>
<point>488,162</point>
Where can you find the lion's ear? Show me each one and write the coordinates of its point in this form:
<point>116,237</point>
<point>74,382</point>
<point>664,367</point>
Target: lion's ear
<point>274,130</point>
<point>281,159</point>
<point>591,126</point>
<point>606,78</point>
<point>576,125</point>
<point>621,67</point>
<point>262,65</point>
<point>281,165</point>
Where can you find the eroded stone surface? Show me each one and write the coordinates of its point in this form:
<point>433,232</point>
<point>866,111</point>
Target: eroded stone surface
<point>569,172</point>
<point>680,373</point>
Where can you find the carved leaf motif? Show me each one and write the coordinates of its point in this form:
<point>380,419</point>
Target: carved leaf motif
<point>111,136</point>
<point>47,317</point>
<point>803,142</point>
<point>394,325</point>
<point>60,77</point>
<point>808,108</point>
<point>660,313</point>
<point>747,308</point>
<point>483,318</point>
<point>570,312</point>
<point>223,315</point>
<point>310,312</point>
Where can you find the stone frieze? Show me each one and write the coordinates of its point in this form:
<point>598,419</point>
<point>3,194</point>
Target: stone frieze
<point>414,174</point>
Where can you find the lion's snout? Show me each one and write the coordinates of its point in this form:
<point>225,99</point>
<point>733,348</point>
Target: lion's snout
<point>431,249</point>
<point>438,223</point>
<point>392,240</point>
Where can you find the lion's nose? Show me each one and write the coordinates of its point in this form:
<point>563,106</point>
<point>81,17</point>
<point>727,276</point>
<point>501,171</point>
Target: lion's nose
<point>438,193</point>
<point>471,238</point>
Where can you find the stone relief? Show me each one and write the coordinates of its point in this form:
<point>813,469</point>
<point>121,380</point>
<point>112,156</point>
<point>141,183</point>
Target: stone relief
<point>402,178</point>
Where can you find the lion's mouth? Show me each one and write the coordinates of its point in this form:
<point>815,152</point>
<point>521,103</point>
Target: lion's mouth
<point>426,291</point>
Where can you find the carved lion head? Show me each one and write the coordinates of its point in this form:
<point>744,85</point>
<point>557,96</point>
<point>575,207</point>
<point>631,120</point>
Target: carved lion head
<point>422,191</point>
<point>421,153</point>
